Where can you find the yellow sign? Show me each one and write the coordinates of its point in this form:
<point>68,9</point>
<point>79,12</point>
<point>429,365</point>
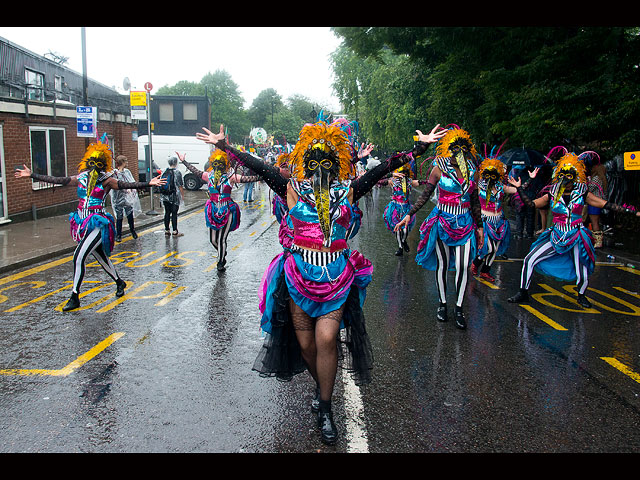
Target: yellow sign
<point>138,99</point>
<point>632,160</point>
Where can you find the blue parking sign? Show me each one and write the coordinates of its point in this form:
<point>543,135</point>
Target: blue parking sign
<point>86,121</point>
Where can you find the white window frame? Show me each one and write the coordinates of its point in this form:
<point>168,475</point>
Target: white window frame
<point>36,90</point>
<point>35,184</point>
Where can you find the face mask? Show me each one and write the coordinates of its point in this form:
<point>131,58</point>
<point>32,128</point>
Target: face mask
<point>565,179</point>
<point>218,168</point>
<point>491,177</point>
<point>321,169</point>
<point>96,165</point>
<point>460,153</point>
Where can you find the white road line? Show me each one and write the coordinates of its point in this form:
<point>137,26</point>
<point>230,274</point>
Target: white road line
<point>356,436</point>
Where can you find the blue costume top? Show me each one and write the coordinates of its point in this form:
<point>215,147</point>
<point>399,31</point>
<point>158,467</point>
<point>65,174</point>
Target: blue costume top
<point>566,232</point>
<point>450,220</point>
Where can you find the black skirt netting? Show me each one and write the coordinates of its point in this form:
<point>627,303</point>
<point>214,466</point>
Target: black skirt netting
<point>280,355</point>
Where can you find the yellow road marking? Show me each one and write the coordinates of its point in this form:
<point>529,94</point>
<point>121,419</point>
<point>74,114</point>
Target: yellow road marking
<point>488,284</point>
<point>252,233</point>
<point>621,367</point>
<point>77,363</point>
<point>55,263</point>
<point>629,269</point>
<point>543,317</point>
<point>237,246</point>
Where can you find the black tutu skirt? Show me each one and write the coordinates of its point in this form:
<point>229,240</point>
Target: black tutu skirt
<point>280,355</point>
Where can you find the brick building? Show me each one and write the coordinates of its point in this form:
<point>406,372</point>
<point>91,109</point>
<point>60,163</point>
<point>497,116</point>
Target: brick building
<point>38,128</point>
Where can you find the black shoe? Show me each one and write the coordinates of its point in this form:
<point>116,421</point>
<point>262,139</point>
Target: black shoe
<point>399,252</point>
<point>461,322</point>
<point>441,313</point>
<point>221,266</point>
<point>328,430</point>
<point>118,239</point>
<point>134,234</point>
<point>120,286</point>
<point>405,245</point>
<point>315,403</point>
<point>583,301</point>
<point>521,296</point>
<point>72,303</point>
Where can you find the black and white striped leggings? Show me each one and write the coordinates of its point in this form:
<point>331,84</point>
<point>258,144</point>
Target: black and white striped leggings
<point>545,251</point>
<point>91,244</point>
<point>218,239</point>
<point>443,253</point>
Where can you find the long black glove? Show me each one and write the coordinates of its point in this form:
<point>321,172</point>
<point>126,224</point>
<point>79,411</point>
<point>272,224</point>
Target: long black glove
<point>270,174</point>
<point>50,179</point>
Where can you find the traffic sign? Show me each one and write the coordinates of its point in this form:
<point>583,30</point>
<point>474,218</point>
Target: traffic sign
<point>86,121</point>
<point>148,87</point>
<point>632,160</point>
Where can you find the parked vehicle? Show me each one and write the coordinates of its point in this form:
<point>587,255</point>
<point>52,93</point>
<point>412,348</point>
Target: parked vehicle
<point>165,146</point>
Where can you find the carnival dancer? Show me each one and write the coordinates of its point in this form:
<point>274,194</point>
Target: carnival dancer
<point>401,182</point>
<point>91,226</point>
<point>221,213</point>
<point>317,287</point>
<point>448,235</point>
<point>565,251</point>
<point>496,227</point>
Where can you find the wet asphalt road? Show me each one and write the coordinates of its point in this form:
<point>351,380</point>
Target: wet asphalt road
<point>167,368</point>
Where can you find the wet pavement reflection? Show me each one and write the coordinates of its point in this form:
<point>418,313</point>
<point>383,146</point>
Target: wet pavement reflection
<point>177,376</point>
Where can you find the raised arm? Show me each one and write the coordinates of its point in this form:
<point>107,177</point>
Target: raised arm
<point>367,181</point>
<point>270,174</point>
<point>204,176</point>
<point>26,172</point>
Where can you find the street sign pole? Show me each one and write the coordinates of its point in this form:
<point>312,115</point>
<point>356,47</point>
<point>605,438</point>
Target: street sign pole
<point>147,87</point>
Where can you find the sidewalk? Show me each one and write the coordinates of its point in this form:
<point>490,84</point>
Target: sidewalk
<point>26,243</point>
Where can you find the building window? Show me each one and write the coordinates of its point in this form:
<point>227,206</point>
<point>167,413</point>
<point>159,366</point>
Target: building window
<point>165,112</point>
<point>48,153</point>
<point>189,111</point>
<point>35,84</point>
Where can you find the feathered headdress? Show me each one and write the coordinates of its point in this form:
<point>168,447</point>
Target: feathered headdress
<point>491,163</point>
<point>456,136</point>
<point>100,150</point>
<point>331,139</point>
<point>568,162</point>
<point>218,154</point>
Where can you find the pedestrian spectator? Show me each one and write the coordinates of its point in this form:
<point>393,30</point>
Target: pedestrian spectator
<point>172,201</point>
<point>248,187</point>
<point>597,185</point>
<point>525,214</point>
<point>124,201</point>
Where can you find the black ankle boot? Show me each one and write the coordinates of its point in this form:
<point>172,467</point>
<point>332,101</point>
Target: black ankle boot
<point>405,245</point>
<point>583,301</point>
<point>221,266</point>
<point>72,303</point>
<point>461,322</point>
<point>521,296</point>
<point>120,286</point>
<point>328,430</point>
<point>399,252</point>
<point>441,313</point>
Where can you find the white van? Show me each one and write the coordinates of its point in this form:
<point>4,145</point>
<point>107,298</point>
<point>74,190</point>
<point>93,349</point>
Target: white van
<point>165,146</point>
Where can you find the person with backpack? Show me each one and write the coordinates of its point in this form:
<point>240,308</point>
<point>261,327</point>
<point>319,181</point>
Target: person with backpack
<point>172,194</point>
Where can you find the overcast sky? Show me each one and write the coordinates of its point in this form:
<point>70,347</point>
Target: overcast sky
<point>292,60</point>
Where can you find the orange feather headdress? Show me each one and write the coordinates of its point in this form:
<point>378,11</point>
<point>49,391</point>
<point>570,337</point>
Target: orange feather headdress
<point>330,139</point>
